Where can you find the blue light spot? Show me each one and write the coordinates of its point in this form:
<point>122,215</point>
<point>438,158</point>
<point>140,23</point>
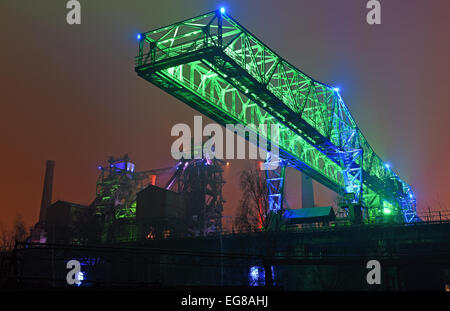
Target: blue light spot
<point>336,89</point>
<point>139,36</point>
<point>387,166</point>
<point>256,276</point>
<point>222,10</point>
<point>80,278</point>
<point>254,273</point>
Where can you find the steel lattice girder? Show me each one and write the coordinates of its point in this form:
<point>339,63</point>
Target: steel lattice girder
<point>275,181</point>
<point>216,66</point>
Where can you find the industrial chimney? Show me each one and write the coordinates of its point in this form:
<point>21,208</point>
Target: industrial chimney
<point>307,191</point>
<point>47,192</point>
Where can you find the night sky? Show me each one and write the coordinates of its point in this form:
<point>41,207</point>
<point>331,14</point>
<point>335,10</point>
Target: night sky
<point>70,93</point>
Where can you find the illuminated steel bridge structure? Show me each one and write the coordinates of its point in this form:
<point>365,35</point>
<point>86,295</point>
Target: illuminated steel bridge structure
<point>220,69</point>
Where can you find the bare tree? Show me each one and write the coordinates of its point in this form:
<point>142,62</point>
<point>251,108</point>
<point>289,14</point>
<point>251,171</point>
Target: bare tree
<point>5,238</point>
<point>253,210</point>
<point>20,233</point>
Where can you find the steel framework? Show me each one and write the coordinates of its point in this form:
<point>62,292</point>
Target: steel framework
<point>217,67</point>
<point>200,182</point>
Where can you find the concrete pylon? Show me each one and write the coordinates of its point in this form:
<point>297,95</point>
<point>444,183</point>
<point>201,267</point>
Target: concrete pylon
<point>307,191</point>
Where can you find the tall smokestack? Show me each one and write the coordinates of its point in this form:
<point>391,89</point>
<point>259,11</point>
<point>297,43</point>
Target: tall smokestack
<point>307,191</point>
<point>47,192</point>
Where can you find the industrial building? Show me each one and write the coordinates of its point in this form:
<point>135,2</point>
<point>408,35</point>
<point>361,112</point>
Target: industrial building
<point>141,232</point>
<point>131,207</point>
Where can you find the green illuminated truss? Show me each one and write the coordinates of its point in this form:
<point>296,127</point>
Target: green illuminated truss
<point>216,66</point>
